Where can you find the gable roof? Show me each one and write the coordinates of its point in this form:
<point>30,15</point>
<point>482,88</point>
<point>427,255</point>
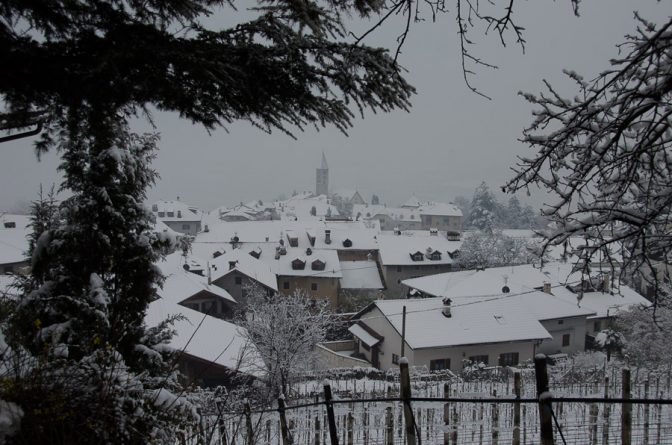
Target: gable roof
<point>180,284</point>
<point>245,264</point>
<point>207,338</point>
<point>472,322</point>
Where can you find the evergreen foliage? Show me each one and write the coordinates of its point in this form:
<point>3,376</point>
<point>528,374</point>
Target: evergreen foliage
<point>483,209</point>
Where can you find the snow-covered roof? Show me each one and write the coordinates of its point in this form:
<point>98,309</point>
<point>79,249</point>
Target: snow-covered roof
<point>175,211</point>
<point>207,338</point>
<point>397,249</point>
<point>440,209</point>
<point>480,282</point>
<point>180,284</point>
<point>13,238</point>
<point>363,335</point>
<point>283,265</point>
<point>246,264</point>
<point>360,275</point>
<point>604,304</point>
<point>413,201</point>
<point>524,279</point>
<point>471,322</point>
<point>8,286</point>
<point>367,210</point>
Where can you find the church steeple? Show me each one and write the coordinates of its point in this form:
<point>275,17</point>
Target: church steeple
<point>322,178</point>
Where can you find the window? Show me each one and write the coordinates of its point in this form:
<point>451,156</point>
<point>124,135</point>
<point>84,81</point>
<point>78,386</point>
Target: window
<point>508,359</point>
<point>10,225</point>
<point>313,286</point>
<point>239,280</point>
<point>395,359</point>
<point>479,359</point>
<point>285,285</point>
<point>597,327</point>
<point>439,364</point>
<point>162,214</point>
<point>561,321</point>
<point>186,227</point>
<point>565,340</point>
<point>171,214</point>
<point>398,268</point>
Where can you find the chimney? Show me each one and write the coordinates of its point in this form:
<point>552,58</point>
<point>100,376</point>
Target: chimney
<point>327,236</point>
<point>547,287</point>
<point>232,265</point>
<point>446,307</point>
<point>209,275</point>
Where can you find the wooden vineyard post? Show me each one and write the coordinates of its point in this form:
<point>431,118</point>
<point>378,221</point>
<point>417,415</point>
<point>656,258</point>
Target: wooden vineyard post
<point>516,409</point>
<point>660,419</point>
<point>545,400</point>
<point>365,426</point>
<point>389,426</point>
<point>317,430</point>
<point>249,439</point>
<point>406,400</point>
<point>453,434</point>
<point>593,423</point>
<point>331,420</point>
<point>495,420</point>
<point>607,409</point>
<point>646,413</point>
<point>284,431</point>
<point>626,410</point>
<point>351,429</point>
<point>220,423</point>
<point>446,415</point>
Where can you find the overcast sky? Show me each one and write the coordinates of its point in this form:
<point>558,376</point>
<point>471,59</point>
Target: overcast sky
<point>451,140</point>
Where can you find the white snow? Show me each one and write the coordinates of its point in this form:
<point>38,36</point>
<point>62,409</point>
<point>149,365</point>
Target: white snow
<point>363,335</point>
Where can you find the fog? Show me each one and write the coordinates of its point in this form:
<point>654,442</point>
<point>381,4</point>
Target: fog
<point>450,141</point>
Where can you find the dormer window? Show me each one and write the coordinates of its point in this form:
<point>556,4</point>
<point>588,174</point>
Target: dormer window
<point>347,243</point>
<point>171,214</point>
<point>318,264</point>
<point>155,207</point>
<point>179,213</point>
<point>256,252</point>
<point>417,256</point>
<point>162,214</point>
<point>10,225</point>
<point>435,256</point>
<point>298,264</point>
<point>292,239</point>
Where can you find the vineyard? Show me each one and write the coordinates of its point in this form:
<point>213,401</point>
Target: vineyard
<point>447,409</point>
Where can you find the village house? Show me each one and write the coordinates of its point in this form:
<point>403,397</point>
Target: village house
<point>404,256</point>
<point>444,333</point>
<point>239,272</point>
<point>178,216</point>
<point>13,244</point>
<point>600,300</point>
<point>414,215</point>
<point>211,355</point>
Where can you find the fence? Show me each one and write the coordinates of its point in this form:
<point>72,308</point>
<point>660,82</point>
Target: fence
<point>521,411</point>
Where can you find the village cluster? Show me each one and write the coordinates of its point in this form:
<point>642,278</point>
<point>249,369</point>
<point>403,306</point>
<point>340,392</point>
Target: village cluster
<point>379,267</point>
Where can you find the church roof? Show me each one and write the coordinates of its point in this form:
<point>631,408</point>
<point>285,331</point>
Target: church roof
<point>324,162</point>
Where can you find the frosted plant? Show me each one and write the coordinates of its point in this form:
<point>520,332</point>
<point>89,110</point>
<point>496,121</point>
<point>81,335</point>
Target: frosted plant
<point>606,155</point>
